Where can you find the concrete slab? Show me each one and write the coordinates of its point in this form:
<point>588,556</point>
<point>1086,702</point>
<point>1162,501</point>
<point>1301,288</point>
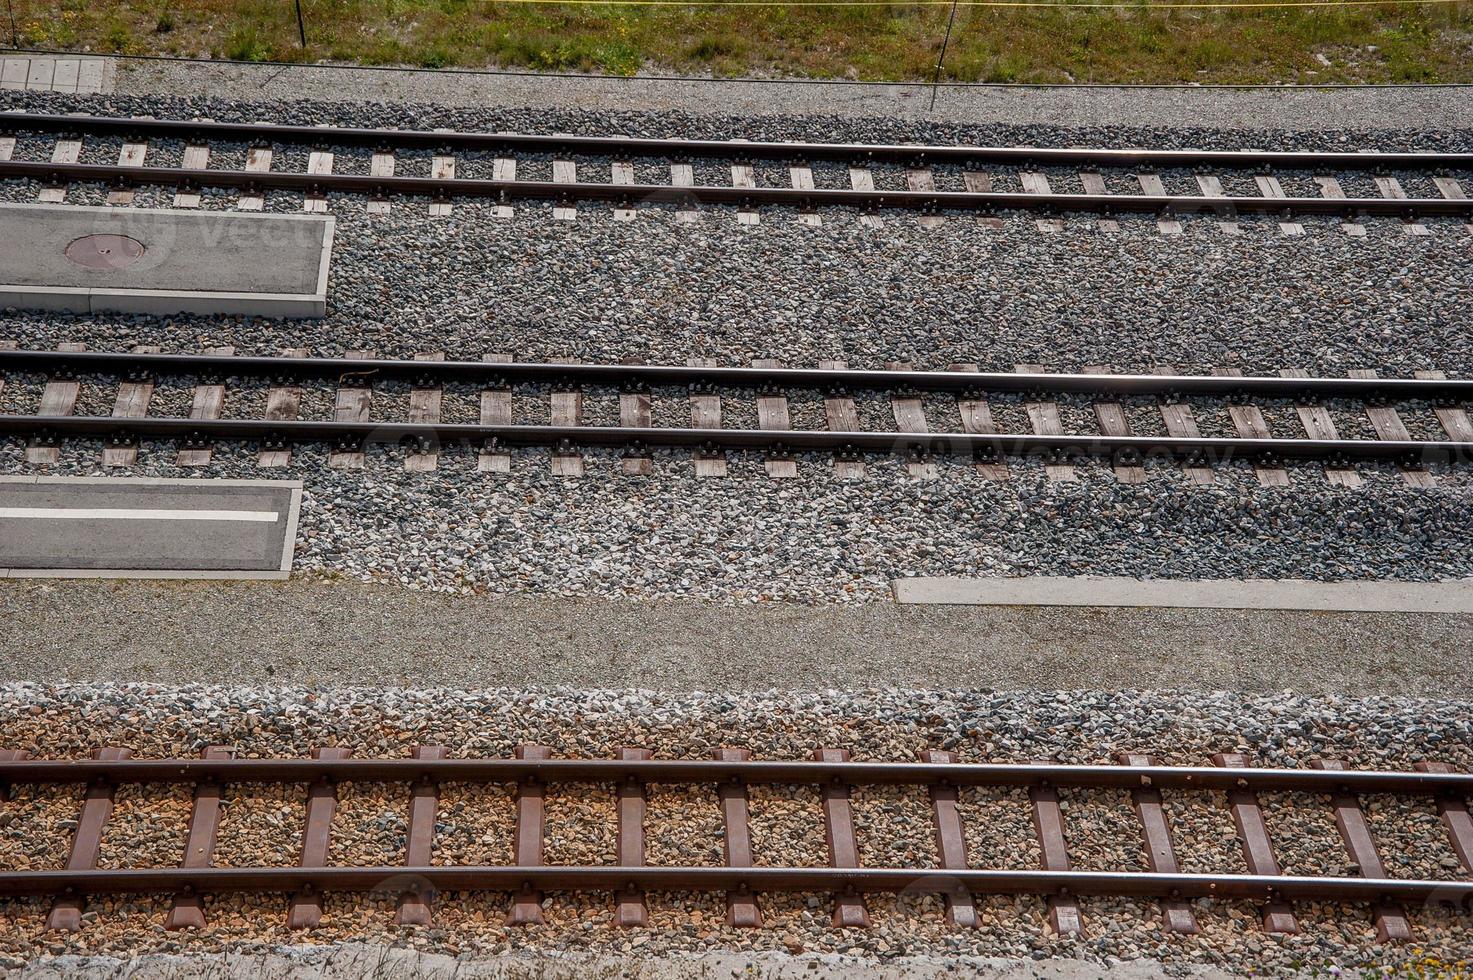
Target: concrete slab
<point>163,261</point>
<point>65,77</point>
<point>13,73</point>
<point>1413,597</point>
<point>44,73</point>
<point>120,527</point>
<point>94,76</point>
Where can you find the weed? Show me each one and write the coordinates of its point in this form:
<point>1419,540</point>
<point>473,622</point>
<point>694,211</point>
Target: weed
<point>436,57</point>
<point>1135,44</point>
<point>118,37</point>
<point>1209,53</point>
<point>245,43</point>
<point>618,58</point>
<point>710,48</point>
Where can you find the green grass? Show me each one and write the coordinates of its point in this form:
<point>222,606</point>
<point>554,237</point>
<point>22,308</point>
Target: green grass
<point>1394,43</point>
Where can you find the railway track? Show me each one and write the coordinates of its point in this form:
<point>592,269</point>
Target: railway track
<point>742,875</point>
<point>935,178</point>
<point>1183,402</point>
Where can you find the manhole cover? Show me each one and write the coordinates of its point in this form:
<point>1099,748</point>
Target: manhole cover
<point>105,251</point>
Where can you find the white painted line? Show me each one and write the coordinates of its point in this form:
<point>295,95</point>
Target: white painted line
<point>135,514</point>
<point>144,573</point>
<point>1294,594</point>
<point>186,545</point>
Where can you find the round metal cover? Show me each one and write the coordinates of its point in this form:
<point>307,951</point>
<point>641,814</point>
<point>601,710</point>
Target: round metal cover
<point>105,251</point>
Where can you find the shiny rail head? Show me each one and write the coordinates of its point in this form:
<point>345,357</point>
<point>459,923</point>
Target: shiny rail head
<point>500,374</point>
<point>391,878</point>
<point>1205,778</point>
<point>1048,449</point>
<point>744,197</point>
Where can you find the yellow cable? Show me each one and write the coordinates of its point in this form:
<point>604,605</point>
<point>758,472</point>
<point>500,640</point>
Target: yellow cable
<point>1143,5</point>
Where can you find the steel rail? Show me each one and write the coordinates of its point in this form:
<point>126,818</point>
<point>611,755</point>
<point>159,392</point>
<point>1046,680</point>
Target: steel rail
<point>242,770</point>
<point>653,376</point>
<point>1206,451</point>
<point>628,194</point>
<point>624,146</point>
<point>763,879</point>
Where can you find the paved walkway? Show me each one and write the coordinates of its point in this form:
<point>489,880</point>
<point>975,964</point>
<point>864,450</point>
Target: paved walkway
<point>1265,109</point>
<point>310,631</point>
<point>1274,108</point>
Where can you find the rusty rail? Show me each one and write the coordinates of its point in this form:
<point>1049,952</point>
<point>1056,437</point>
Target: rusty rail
<point>729,772</point>
<point>625,195</point>
<point>258,134</point>
<point>1447,394</point>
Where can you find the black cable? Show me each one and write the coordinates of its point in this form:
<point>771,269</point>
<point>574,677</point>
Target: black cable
<point>936,82</point>
<point>301,24</point>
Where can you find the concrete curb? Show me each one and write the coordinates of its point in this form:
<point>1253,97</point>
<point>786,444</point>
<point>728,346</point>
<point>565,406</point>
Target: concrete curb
<point>1410,597</point>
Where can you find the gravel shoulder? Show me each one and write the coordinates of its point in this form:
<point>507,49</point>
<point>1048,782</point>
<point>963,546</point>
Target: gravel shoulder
<point>1264,108</point>
<point>342,634</point>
